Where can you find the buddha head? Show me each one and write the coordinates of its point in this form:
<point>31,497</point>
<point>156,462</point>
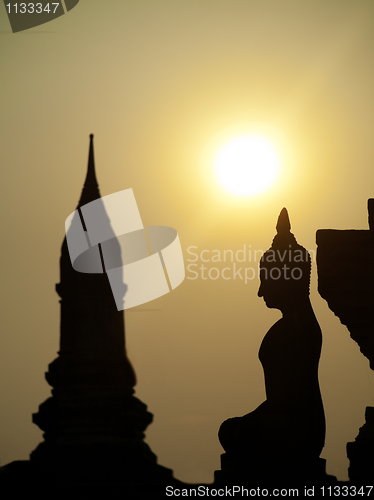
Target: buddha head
<point>284,269</point>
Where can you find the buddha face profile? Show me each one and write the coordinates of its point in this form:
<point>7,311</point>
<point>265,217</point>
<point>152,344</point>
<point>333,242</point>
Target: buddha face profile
<point>284,269</point>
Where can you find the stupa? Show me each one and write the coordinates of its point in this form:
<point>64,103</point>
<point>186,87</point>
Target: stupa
<point>93,424</point>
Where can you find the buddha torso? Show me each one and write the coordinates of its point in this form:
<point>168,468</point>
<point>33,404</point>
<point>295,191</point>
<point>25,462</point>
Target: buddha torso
<point>289,354</point>
<point>291,421</point>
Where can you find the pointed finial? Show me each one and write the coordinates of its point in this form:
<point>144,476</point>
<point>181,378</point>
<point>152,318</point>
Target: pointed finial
<point>283,224</point>
<point>91,176</point>
<point>90,190</point>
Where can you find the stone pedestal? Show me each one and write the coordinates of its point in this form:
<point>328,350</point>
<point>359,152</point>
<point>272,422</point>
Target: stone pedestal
<point>253,472</point>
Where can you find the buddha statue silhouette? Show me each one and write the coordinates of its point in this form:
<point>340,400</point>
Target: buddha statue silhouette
<point>287,431</point>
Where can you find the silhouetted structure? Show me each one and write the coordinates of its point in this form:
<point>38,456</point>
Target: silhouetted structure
<point>283,438</point>
<point>345,262</point>
<point>93,424</point>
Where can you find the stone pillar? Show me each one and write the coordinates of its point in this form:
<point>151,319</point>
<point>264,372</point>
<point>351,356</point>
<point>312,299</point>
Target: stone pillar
<point>345,262</point>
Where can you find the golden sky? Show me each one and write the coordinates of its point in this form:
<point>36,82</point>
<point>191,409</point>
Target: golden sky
<point>163,84</point>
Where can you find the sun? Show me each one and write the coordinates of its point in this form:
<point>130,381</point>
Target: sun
<point>247,165</point>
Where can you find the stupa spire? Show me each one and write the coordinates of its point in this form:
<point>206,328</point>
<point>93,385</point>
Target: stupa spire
<point>90,191</point>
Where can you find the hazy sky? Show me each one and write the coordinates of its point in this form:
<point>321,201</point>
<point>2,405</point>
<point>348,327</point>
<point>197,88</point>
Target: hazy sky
<point>163,84</point>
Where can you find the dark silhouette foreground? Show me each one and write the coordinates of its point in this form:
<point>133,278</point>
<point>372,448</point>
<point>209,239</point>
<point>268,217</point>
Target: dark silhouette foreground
<point>284,436</point>
<point>345,262</point>
<point>93,424</point>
